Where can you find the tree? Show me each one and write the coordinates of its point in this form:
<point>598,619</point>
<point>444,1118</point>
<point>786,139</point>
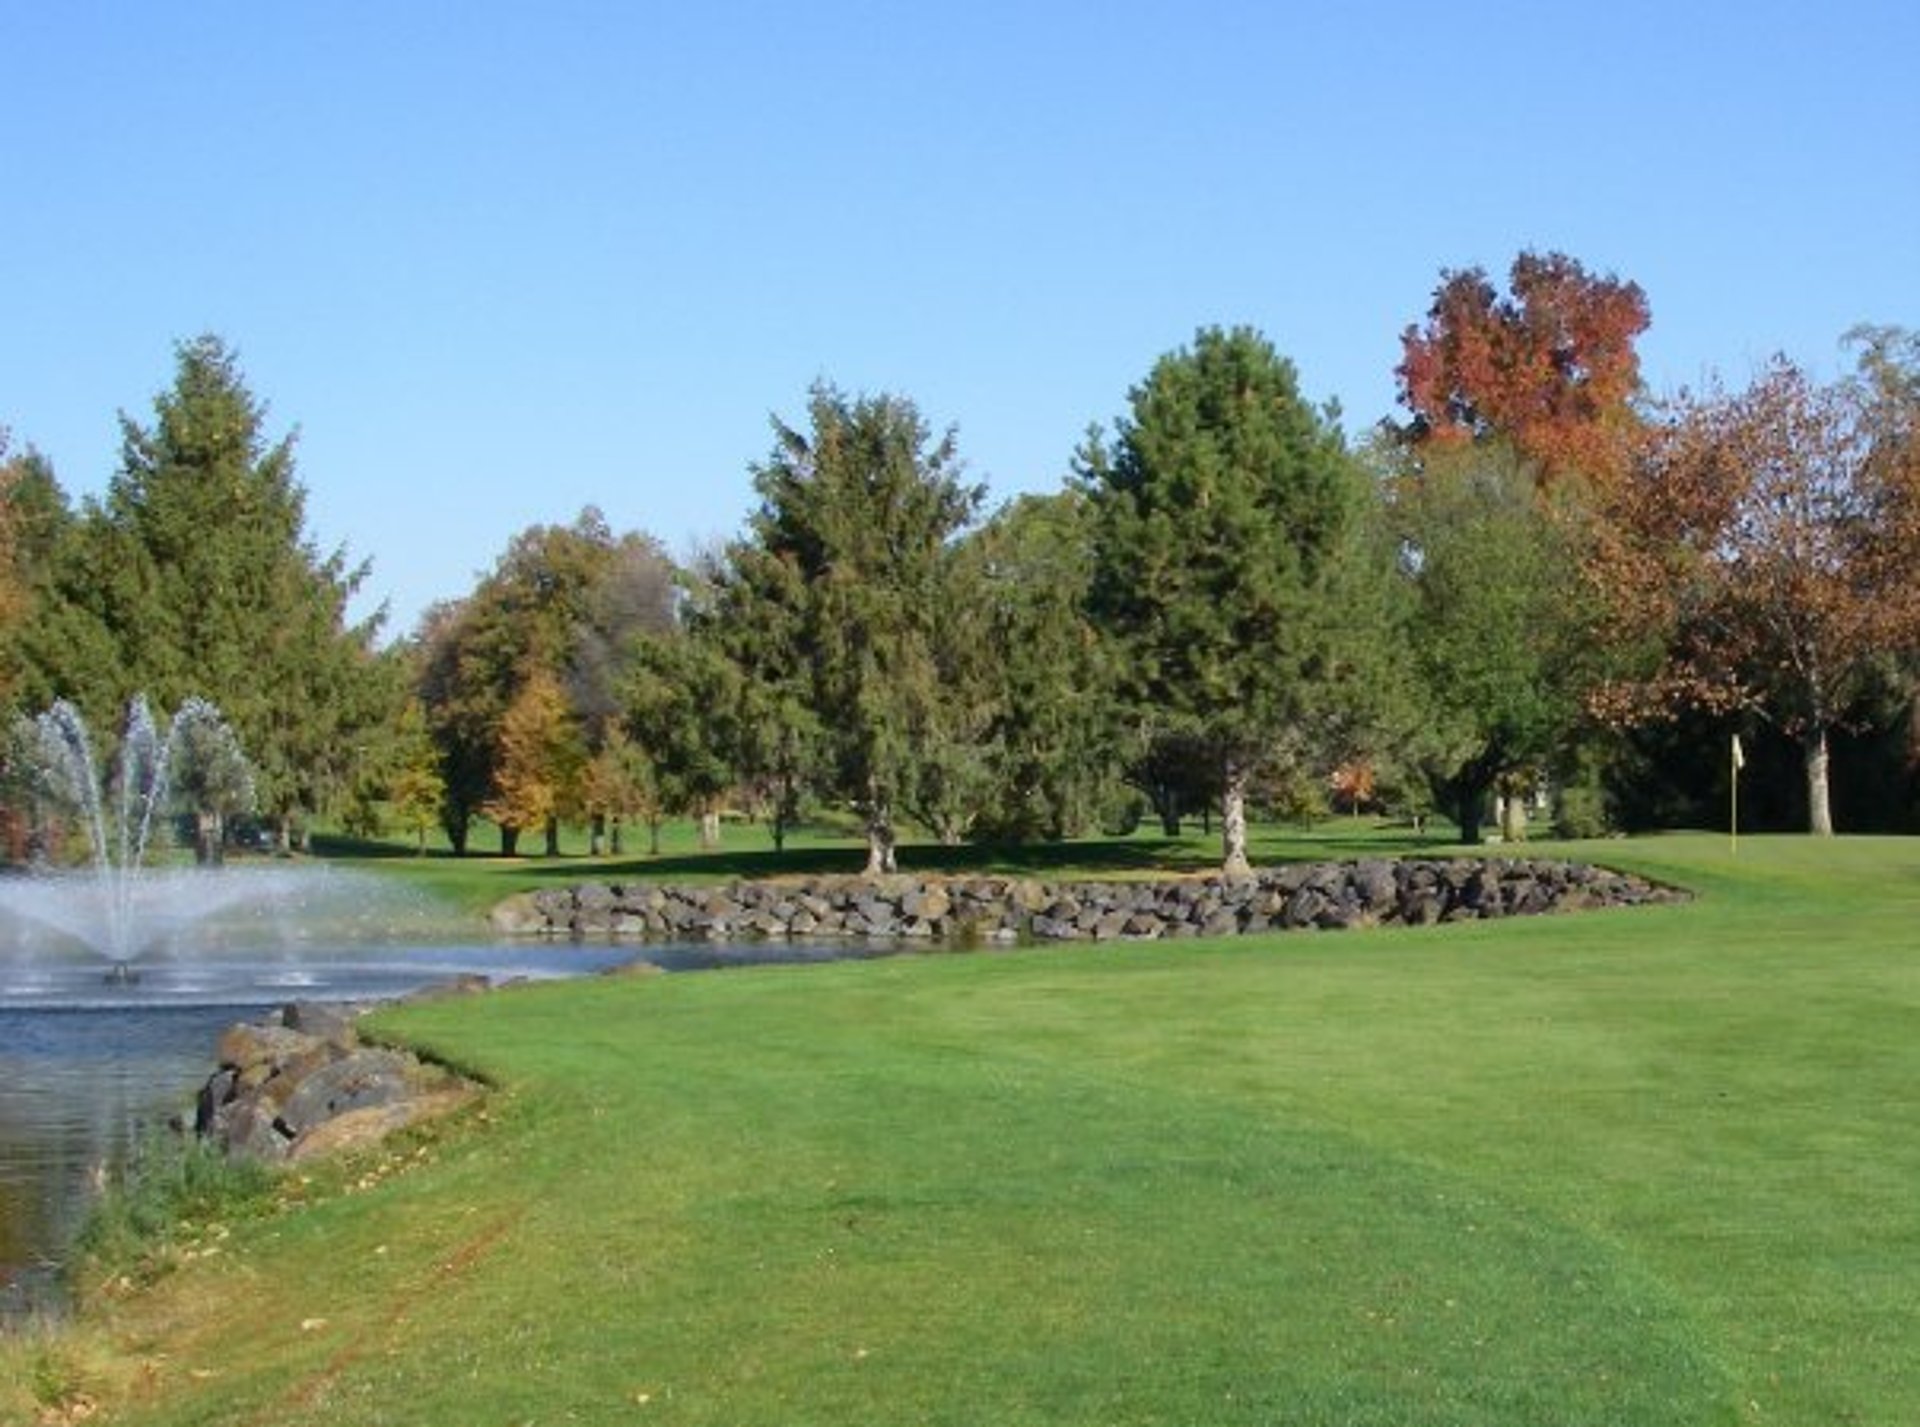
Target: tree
<point>621,783</point>
<point>1767,551</point>
<point>748,609</point>
<point>632,598</point>
<point>850,545</point>
<point>462,695</point>
<point>681,695</point>
<point>415,788</point>
<point>15,473</point>
<point>198,569</point>
<point>210,775</point>
<point>1223,513</point>
<point>1551,366</point>
<point>1052,727</point>
<point>542,757</point>
<point>563,602</point>
<point>1497,638</point>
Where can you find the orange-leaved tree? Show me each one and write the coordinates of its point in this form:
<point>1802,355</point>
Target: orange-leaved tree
<point>1550,366</point>
<point>1766,547</point>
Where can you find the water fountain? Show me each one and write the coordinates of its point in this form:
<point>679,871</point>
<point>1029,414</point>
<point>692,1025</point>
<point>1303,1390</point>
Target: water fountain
<point>116,905</point>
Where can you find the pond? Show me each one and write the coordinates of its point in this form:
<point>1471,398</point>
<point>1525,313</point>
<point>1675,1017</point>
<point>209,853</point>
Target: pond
<point>89,1067</point>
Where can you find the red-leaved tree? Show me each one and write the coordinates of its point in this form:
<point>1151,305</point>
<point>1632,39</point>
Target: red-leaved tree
<point>1551,365</point>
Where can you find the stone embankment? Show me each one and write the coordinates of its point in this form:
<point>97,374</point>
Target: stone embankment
<point>1002,910</point>
<point>302,1083</point>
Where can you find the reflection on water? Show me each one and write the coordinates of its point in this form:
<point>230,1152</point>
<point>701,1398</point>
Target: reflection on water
<point>77,1086</point>
<point>88,1068</point>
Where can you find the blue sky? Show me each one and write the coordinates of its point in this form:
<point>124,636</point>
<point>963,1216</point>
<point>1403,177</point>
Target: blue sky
<point>497,262</point>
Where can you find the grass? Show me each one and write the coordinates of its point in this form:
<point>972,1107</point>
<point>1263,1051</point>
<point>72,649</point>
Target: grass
<point>1651,1167</point>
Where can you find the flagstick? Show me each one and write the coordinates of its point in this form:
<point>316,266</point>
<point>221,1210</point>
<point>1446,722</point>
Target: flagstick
<point>1733,800</point>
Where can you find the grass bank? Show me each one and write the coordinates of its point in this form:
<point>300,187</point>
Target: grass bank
<point>1654,1167</point>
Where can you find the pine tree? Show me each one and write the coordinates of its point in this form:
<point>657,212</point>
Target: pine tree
<point>1222,514</point>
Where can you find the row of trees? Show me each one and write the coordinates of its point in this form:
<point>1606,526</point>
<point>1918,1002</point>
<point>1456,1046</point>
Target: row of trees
<point>1530,580</point>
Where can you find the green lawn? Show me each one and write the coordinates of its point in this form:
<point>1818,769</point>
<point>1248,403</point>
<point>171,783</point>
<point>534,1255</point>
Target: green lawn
<point>1649,1167</point>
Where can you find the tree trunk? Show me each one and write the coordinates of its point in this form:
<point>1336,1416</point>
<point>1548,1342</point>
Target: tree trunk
<point>509,841</point>
<point>1468,810</point>
<point>596,835</point>
<point>709,829</point>
<point>208,838</point>
<point>881,861</point>
<point>653,837</point>
<point>553,837</point>
<point>615,837</point>
<point>1819,796</point>
<point>1513,817</point>
<point>1233,825</point>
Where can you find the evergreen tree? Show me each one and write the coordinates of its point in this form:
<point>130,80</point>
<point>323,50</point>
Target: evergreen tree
<point>1051,728</point>
<point>750,608</point>
<point>1224,513</point>
<point>198,569</point>
<point>682,694</point>
<point>850,544</point>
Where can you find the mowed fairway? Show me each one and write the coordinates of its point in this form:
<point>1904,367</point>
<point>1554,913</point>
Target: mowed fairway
<point>1645,1167</point>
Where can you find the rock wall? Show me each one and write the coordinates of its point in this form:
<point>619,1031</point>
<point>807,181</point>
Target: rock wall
<point>1318,895</point>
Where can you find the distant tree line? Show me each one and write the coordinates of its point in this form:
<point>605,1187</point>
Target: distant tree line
<point>1543,588</point>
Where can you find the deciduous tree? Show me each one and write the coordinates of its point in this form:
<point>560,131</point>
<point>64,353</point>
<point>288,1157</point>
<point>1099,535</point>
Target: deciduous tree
<point>565,601</point>
<point>542,758</point>
<point>1551,365</point>
<point>1498,638</point>
<point>1768,548</point>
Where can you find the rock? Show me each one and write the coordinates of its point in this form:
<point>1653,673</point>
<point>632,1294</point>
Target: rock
<point>354,1082</point>
<point>331,1022</point>
<point>520,915</point>
<point>368,1125</point>
<point>246,1047</point>
<point>218,1090</point>
<point>1305,907</point>
<point>467,983</point>
<point>1376,885</point>
<point>249,1129</point>
<point>928,903</point>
